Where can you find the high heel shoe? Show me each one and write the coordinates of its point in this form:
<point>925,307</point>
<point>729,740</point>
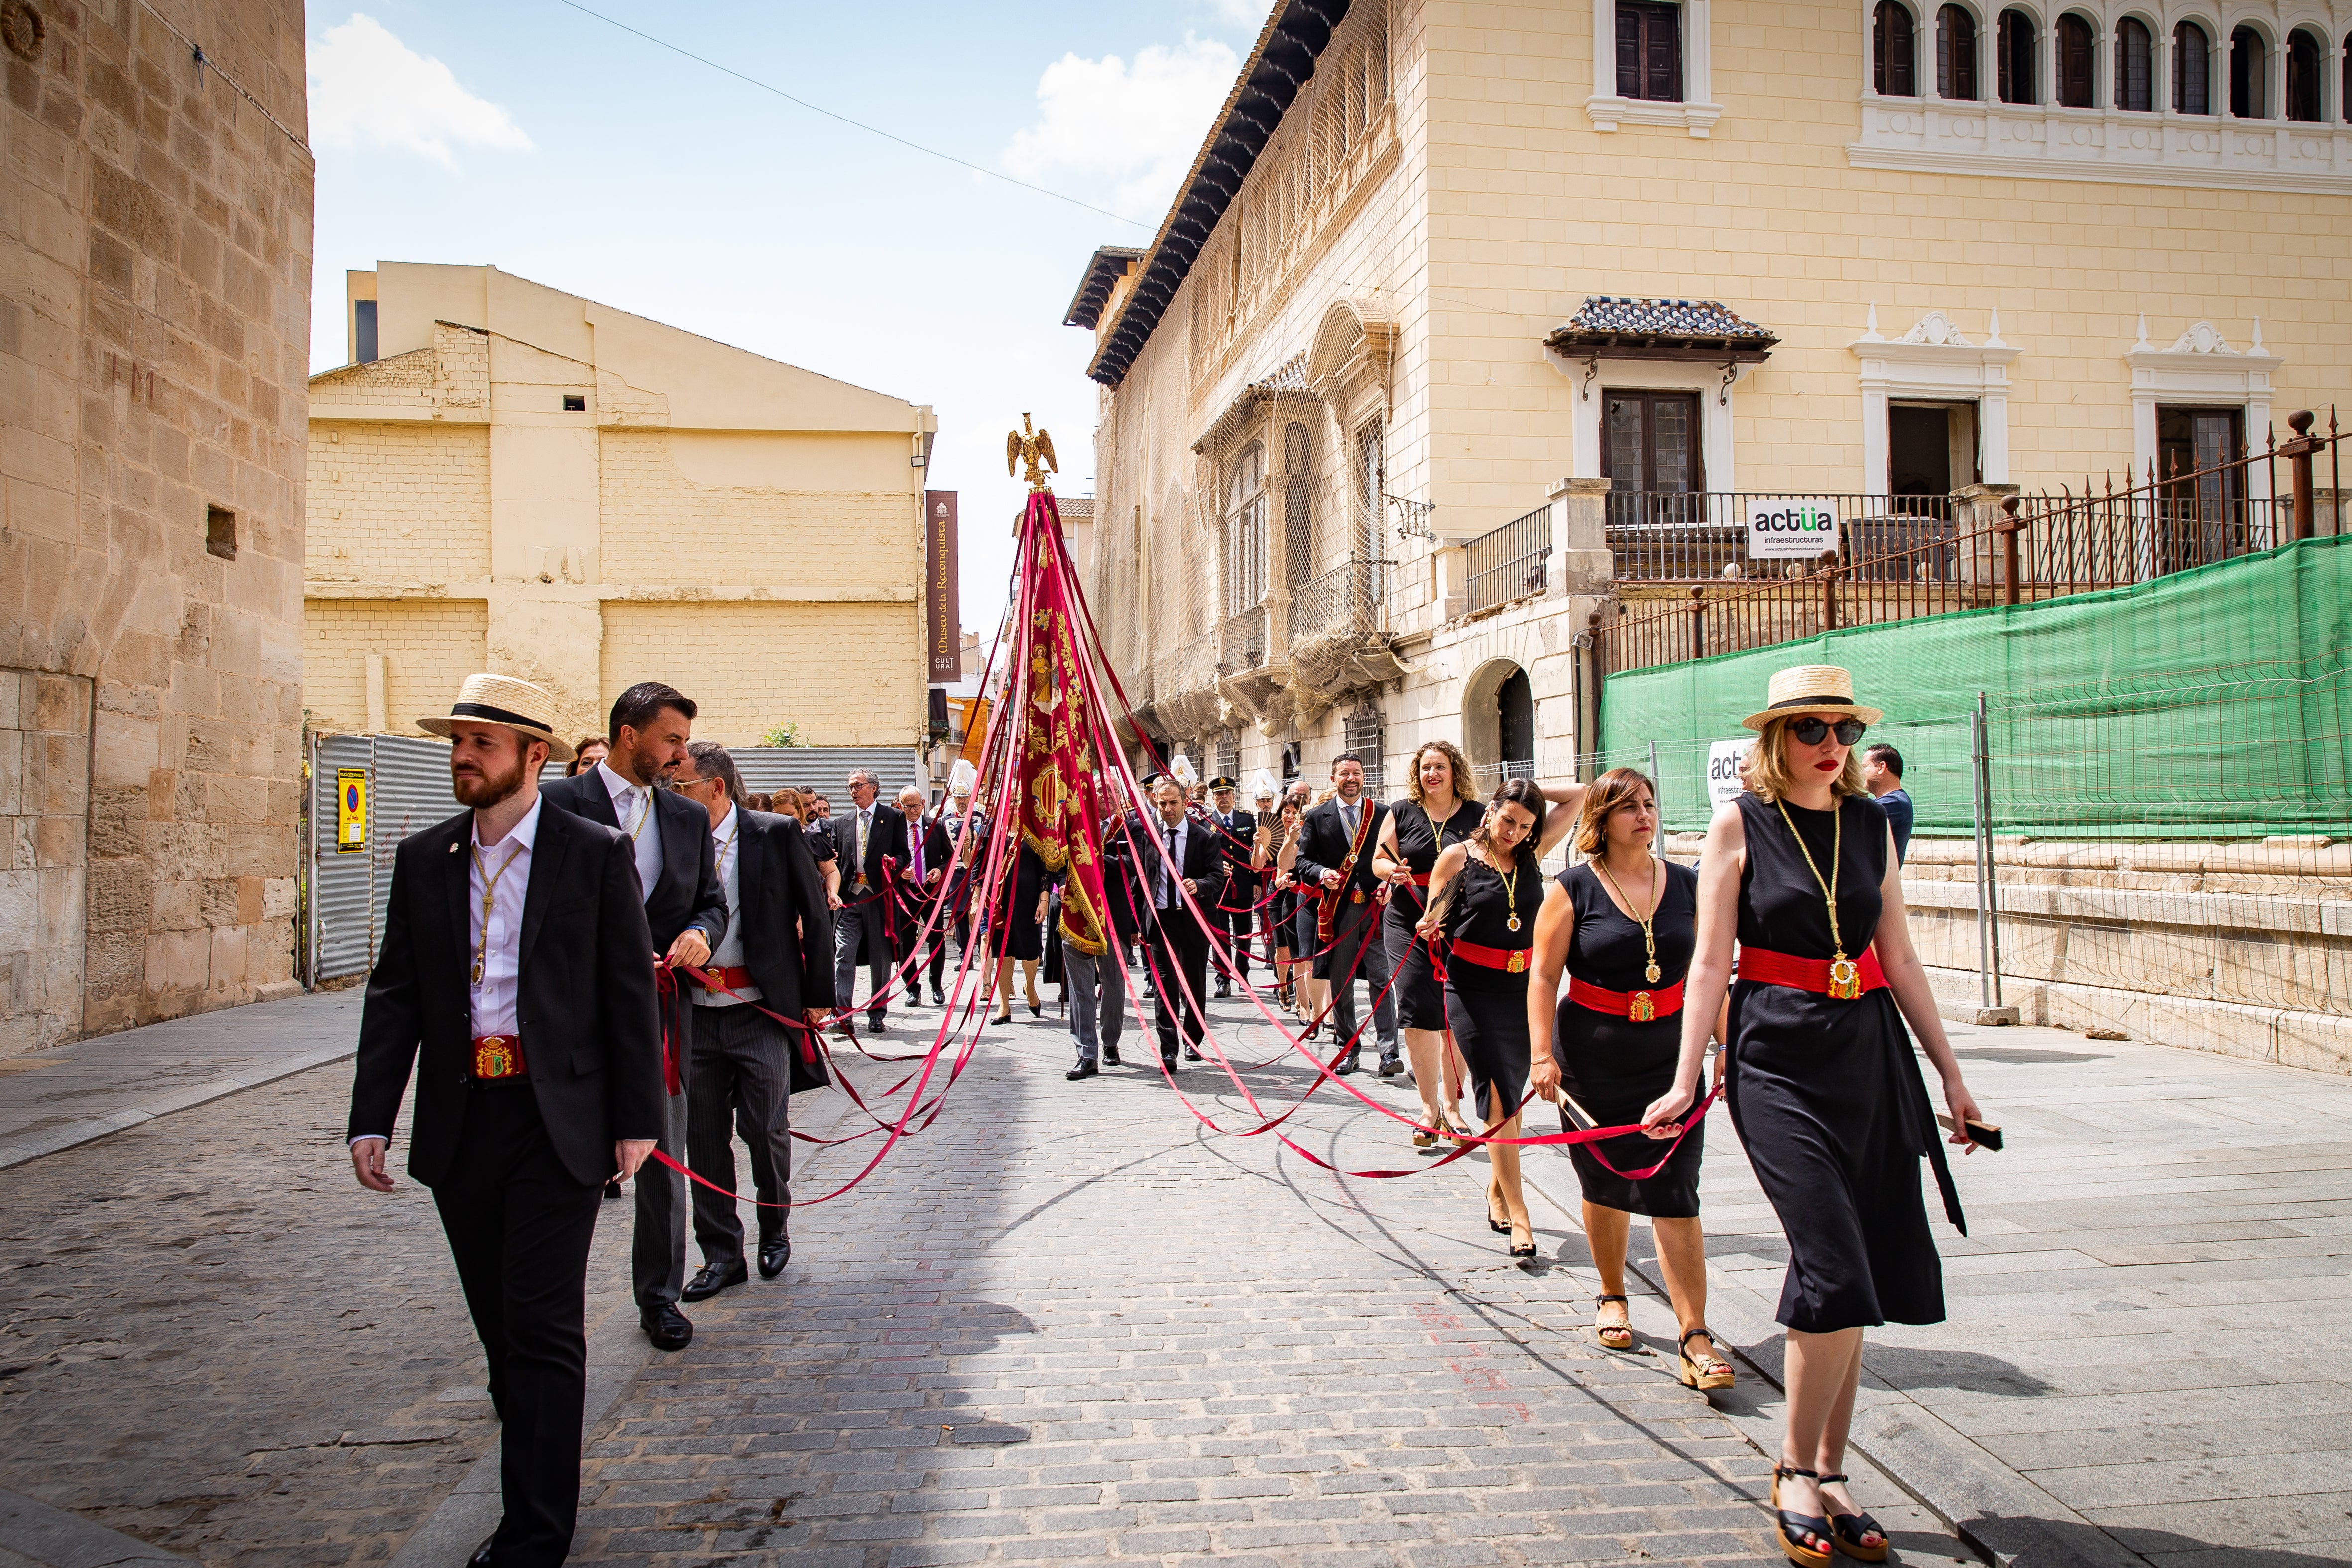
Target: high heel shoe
<point>1791,1529</point>
<point>1848,1529</point>
<point>1705,1369</point>
<point>1522,1249</point>
<point>1496,1221</point>
<point>1613,1336</point>
<point>1004,1017</point>
<point>1037,1010</point>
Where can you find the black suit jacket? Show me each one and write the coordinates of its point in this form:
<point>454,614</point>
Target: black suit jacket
<point>1204,862</point>
<point>687,893</point>
<point>787,927</point>
<point>1238,840</point>
<point>1324,842</point>
<point>886,836</point>
<point>939,851</point>
<point>591,1034</point>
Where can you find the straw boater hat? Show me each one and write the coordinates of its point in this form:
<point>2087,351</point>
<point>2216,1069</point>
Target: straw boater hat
<point>502,699</point>
<point>1811,688</point>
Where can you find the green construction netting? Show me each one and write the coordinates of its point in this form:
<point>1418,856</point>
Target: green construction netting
<point>2215,703</point>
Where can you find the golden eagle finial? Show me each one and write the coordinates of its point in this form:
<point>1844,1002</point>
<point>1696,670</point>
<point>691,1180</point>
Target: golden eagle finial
<point>1033,447</point>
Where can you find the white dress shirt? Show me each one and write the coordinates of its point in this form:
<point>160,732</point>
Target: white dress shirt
<point>1171,863</point>
<point>862,819</point>
<point>632,806</point>
<point>497,936</point>
<point>729,955</point>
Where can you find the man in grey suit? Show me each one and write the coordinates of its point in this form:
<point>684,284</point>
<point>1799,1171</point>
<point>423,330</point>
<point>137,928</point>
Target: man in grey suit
<point>678,877</point>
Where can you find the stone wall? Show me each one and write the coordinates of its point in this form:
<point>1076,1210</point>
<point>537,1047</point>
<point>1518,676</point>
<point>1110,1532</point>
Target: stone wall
<point>155,323</point>
<point>43,813</point>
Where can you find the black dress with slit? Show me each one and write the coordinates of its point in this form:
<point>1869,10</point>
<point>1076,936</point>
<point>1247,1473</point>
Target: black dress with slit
<point>1615,1067</point>
<point>1419,999</point>
<point>1488,1008</point>
<point>1827,1094</point>
<point>1024,882</point>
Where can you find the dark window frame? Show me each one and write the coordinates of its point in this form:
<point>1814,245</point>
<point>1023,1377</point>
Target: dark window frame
<point>1650,51</point>
<point>2303,89</point>
<point>1649,398</point>
<point>2250,70</point>
<point>2133,89</point>
<point>1894,50</point>
<point>2192,69</point>
<point>1955,54</point>
<point>2075,48</point>
<point>2017,56</point>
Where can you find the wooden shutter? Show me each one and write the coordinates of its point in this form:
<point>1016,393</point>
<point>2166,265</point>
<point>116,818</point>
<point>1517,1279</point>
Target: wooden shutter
<point>2074,62</point>
<point>1629,49</point>
<point>1664,52</point>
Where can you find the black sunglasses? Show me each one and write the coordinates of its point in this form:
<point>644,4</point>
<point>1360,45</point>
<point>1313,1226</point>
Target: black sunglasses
<point>1810,730</point>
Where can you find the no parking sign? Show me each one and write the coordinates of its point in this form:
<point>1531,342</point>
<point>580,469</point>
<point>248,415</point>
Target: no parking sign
<point>351,810</point>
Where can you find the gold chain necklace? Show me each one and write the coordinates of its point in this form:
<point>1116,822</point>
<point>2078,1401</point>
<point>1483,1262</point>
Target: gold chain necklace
<point>490,897</point>
<point>1511,892</point>
<point>1846,980</point>
<point>1649,933</point>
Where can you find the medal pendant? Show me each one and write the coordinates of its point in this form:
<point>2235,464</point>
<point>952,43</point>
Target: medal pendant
<point>1845,978</point>
<point>1360,895</point>
<point>1652,974</point>
<point>1511,924</point>
<point>1642,1009</point>
<point>1519,963</point>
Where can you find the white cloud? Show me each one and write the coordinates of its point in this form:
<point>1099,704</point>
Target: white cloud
<point>1133,129</point>
<point>1250,14</point>
<point>370,89</point>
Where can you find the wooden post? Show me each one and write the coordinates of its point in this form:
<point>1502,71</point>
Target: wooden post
<point>2298,453</point>
<point>1829,590</point>
<point>2009,527</point>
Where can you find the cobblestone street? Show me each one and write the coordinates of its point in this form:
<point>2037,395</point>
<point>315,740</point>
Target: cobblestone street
<point>1069,1324</point>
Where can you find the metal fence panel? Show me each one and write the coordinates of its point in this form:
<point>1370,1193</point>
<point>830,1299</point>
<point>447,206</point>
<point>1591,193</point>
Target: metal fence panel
<point>408,790</point>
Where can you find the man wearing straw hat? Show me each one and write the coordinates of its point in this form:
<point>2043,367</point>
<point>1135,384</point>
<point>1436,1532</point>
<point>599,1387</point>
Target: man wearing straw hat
<point>516,979</point>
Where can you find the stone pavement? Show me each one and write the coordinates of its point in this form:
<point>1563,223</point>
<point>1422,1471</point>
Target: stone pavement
<point>1067,1323</point>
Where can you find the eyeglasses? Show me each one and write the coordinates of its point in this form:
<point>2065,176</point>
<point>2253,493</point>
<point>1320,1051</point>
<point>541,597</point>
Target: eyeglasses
<point>1810,730</point>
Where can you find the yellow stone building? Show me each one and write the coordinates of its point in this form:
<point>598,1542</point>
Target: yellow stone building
<point>1440,269</point>
<point>514,479</point>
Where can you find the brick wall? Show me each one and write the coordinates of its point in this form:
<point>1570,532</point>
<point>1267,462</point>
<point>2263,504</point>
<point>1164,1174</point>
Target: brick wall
<point>399,503</point>
<point>429,646</point>
<point>655,521</point>
<point>156,247</point>
<point>848,674</point>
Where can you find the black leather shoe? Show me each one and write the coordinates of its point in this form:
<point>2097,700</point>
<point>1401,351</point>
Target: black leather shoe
<point>877,1026</point>
<point>1192,1053</point>
<point>1110,1056</point>
<point>1391,1066</point>
<point>1168,1062</point>
<point>669,1329</point>
<point>1225,991</point>
<point>1349,1063</point>
<point>1084,1069</point>
<point>773,1255</point>
<point>709,1281</point>
<point>481,1557</point>
<point>937,1000</point>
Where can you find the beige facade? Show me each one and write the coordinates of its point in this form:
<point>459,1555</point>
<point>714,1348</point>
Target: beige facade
<point>1319,385</point>
<point>526,481</point>
<point>155,319</point>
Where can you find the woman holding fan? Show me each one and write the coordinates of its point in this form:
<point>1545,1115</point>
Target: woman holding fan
<point>1621,925</point>
<point>1822,1083</point>
<point>1438,810</point>
<point>1483,897</point>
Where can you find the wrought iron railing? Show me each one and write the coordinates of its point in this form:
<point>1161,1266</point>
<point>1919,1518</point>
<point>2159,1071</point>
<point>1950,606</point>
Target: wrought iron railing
<point>2042,547</point>
<point>1241,641</point>
<point>1349,600</point>
<point>1701,535</point>
<point>1490,775</point>
<point>1508,562</point>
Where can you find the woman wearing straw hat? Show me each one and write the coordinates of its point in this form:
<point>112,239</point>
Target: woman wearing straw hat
<point>1620,926</point>
<point>1823,1085</point>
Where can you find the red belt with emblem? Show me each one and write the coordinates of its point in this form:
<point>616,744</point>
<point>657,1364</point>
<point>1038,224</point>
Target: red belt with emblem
<point>1509,960</point>
<point>498,1056</point>
<point>1811,974</point>
<point>733,978</point>
<point>1639,1006</point>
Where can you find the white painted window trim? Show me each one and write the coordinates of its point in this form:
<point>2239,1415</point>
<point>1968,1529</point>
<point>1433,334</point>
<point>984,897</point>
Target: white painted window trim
<point>1936,362</point>
<point>1717,405</point>
<point>2201,370</point>
<point>1932,134</point>
<point>1697,113</point>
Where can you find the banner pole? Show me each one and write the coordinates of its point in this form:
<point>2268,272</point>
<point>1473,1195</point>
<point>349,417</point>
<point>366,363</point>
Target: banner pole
<point>1978,804</point>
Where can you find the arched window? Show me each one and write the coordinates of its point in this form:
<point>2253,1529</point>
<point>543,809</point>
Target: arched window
<point>1894,71</point>
<point>2135,66</point>
<point>2074,51</point>
<point>1956,53</point>
<point>2344,82</point>
<point>2249,75</point>
<point>2193,56</point>
<point>2013,55</point>
<point>2301,76</point>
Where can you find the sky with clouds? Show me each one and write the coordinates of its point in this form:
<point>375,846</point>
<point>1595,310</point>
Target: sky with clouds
<point>531,136</point>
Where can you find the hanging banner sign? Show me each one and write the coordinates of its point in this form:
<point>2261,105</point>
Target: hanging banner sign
<point>1722,785</point>
<point>1790,528</point>
<point>942,630</point>
<point>351,810</point>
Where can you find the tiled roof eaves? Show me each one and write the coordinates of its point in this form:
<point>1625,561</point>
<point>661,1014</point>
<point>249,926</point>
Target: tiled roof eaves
<point>1294,37</point>
<point>1094,290</point>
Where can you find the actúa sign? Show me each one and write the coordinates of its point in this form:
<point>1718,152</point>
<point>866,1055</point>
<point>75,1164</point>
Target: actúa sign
<point>1790,528</point>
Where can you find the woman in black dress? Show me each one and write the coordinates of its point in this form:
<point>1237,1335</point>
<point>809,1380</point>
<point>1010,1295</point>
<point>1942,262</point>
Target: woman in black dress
<point>1622,927</point>
<point>1278,831</point>
<point>1437,810</point>
<point>1823,1087</point>
<point>1483,896</point>
<point>1020,918</point>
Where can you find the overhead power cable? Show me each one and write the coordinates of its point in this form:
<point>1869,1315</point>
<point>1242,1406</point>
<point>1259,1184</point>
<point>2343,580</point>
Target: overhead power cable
<point>857,124</point>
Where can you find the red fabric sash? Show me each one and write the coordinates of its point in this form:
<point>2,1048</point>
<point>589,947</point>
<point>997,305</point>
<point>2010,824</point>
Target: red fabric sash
<point>1326,899</point>
<point>1510,960</point>
<point>1806,974</point>
<point>1663,1003</point>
